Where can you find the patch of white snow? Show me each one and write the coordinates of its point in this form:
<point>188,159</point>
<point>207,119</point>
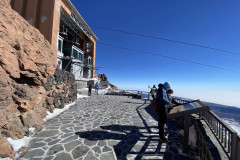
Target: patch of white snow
<point>56,112</point>
<point>19,143</point>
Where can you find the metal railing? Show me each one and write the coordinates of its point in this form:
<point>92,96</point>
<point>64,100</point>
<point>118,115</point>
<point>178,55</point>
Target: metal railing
<point>226,136</point>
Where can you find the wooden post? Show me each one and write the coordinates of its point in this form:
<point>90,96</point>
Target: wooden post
<point>186,133</point>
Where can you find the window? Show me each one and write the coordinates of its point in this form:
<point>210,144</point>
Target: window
<point>75,53</point>
<point>59,45</point>
<point>80,56</point>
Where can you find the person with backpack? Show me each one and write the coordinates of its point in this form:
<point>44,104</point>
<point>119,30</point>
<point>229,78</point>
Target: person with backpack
<point>153,91</point>
<point>96,88</point>
<point>162,104</point>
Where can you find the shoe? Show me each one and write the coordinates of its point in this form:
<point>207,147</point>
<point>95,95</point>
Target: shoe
<point>164,140</point>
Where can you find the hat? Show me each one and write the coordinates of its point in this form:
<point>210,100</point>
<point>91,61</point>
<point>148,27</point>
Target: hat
<point>167,85</point>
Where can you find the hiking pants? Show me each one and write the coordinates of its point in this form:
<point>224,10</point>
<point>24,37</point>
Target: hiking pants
<point>161,121</point>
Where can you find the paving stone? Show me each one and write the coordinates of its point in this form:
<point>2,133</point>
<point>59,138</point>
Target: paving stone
<point>34,153</point>
<point>71,145</point>
<point>55,149</point>
<point>48,158</point>
<point>102,143</point>
<point>63,156</point>
<point>107,156</point>
<point>48,140</point>
<point>90,156</point>
<point>69,139</point>
<point>37,145</point>
<point>54,142</point>
<point>106,149</point>
<point>90,143</point>
<point>97,149</point>
<point>80,151</point>
<point>46,134</point>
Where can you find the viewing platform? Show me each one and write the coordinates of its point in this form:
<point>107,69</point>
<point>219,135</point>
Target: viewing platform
<point>125,127</point>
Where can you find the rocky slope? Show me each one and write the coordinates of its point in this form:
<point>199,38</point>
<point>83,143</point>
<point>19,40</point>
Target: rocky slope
<point>26,60</point>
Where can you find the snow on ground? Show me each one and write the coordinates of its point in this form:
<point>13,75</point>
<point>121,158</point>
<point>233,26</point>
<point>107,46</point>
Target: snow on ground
<point>81,96</point>
<point>56,112</point>
<point>19,143</point>
<point>104,91</point>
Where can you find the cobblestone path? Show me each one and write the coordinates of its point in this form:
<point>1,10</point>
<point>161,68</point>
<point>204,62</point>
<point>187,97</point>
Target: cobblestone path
<point>107,128</point>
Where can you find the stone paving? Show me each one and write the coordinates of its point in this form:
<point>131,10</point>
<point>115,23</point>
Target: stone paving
<point>106,127</point>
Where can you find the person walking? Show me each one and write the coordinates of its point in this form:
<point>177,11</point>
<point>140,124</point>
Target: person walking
<point>96,88</point>
<point>153,91</point>
<point>89,89</point>
<point>163,103</point>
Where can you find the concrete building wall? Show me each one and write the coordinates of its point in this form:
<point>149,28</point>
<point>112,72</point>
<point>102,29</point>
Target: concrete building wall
<point>94,56</point>
<point>39,13</point>
<point>45,16</point>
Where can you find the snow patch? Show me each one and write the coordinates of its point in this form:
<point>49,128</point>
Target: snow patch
<point>81,96</point>
<point>19,143</point>
<point>104,91</point>
<point>31,130</point>
<point>56,112</point>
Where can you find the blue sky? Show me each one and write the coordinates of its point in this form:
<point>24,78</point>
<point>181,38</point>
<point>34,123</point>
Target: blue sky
<point>210,23</point>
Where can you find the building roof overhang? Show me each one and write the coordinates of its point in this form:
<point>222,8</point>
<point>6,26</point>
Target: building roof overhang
<point>80,17</point>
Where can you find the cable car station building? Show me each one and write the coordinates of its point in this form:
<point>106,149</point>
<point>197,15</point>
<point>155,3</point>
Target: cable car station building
<point>67,32</point>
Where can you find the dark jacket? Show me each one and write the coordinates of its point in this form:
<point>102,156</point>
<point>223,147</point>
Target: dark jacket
<point>90,87</point>
<point>162,98</point>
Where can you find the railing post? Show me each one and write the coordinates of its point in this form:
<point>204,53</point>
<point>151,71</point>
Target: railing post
<point>233,146</point>
<point>238,148</point>
<point>186,133</point>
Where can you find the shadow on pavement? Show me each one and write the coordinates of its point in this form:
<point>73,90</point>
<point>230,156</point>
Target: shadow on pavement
<point>134,140</point>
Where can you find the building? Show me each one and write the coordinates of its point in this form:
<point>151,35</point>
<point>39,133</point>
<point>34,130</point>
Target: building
<point>67,32</point>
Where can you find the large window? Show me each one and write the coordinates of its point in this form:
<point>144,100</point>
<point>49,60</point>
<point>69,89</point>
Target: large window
<point>75,53</point>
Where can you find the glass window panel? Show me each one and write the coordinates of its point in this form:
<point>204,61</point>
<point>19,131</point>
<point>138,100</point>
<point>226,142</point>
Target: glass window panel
<point>59,45</point>
<point>80,56</point>
<point>75,53</point>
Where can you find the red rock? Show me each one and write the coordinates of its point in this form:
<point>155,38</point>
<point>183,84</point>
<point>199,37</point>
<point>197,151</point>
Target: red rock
<point>6,149</point>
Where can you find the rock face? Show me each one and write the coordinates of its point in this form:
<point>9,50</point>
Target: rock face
<point>28,85</point>
<point>6,148</point>
<point>26,62</point>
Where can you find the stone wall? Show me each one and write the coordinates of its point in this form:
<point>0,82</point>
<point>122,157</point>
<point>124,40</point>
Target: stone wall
<point>61,89</point>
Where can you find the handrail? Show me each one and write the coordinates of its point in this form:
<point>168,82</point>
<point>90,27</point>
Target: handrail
<point>226,136</point>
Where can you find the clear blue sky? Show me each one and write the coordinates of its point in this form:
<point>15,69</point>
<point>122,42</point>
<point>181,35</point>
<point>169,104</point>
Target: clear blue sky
<point>211,23</point>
